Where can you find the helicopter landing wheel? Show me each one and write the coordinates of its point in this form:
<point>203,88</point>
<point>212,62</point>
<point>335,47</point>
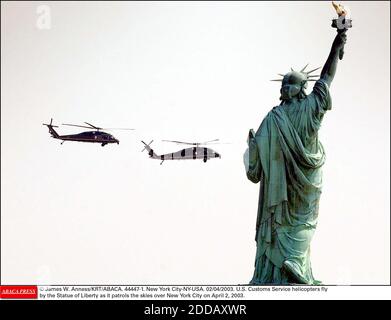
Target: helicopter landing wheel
<point>205,160</point>
<point>103,144</point>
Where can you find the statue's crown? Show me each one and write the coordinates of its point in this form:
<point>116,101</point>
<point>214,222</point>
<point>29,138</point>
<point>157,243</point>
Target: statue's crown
<point>297,77</point>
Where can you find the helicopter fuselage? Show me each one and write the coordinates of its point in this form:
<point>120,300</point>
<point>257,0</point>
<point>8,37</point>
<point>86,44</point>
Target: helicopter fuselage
<point>87,136</point>
<point>192,153</point>
<point>90,136</point>
<point>94,136</point>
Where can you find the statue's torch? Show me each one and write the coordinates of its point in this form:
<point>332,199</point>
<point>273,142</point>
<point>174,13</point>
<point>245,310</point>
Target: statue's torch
<point>342,23</point>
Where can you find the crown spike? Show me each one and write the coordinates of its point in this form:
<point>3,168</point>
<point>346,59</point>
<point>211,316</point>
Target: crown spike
<point>279,80</point>
<point>308,72</point>
<point>280,74</point>
<point>304,67</point>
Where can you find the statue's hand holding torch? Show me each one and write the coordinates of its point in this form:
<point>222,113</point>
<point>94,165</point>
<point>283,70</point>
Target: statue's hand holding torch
<point>342,24</point>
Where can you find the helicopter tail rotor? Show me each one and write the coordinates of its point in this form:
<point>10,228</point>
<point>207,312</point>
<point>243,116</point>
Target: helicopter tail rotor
<point>146,146</point>
<point>50,124</point>
<point>51,130</point>
<point>151,153</point>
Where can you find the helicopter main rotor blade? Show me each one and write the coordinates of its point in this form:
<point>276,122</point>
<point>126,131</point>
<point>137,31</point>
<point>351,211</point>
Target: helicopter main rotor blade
<point>92,126</point>
<point>192,143</point>
<point>218,143</point>
<point>206,142</point>
<point>179,142</point>
<point>75,125</point>
<point>118,129</point>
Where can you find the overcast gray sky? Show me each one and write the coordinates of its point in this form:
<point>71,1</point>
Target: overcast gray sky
<point>82,214</point>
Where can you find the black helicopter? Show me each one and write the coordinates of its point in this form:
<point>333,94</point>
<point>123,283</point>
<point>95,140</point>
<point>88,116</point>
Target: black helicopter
<point>95,136</point>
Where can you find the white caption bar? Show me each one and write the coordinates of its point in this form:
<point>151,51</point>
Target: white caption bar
<point>153,292</point>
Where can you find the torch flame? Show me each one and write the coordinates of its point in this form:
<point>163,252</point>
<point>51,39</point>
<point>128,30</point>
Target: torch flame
<point>341,11</point>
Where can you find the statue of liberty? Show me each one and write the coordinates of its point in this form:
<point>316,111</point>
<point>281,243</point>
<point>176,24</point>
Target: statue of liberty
<point>285,156</point>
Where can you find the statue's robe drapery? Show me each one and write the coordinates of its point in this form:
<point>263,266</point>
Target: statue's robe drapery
<point>286,157</point>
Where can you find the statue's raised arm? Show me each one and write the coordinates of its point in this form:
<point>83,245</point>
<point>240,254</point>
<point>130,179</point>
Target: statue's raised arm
<point>330,67</point>
<point>342,24</point>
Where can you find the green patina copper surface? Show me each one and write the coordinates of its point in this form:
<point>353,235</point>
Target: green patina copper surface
<point>286,157</point>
